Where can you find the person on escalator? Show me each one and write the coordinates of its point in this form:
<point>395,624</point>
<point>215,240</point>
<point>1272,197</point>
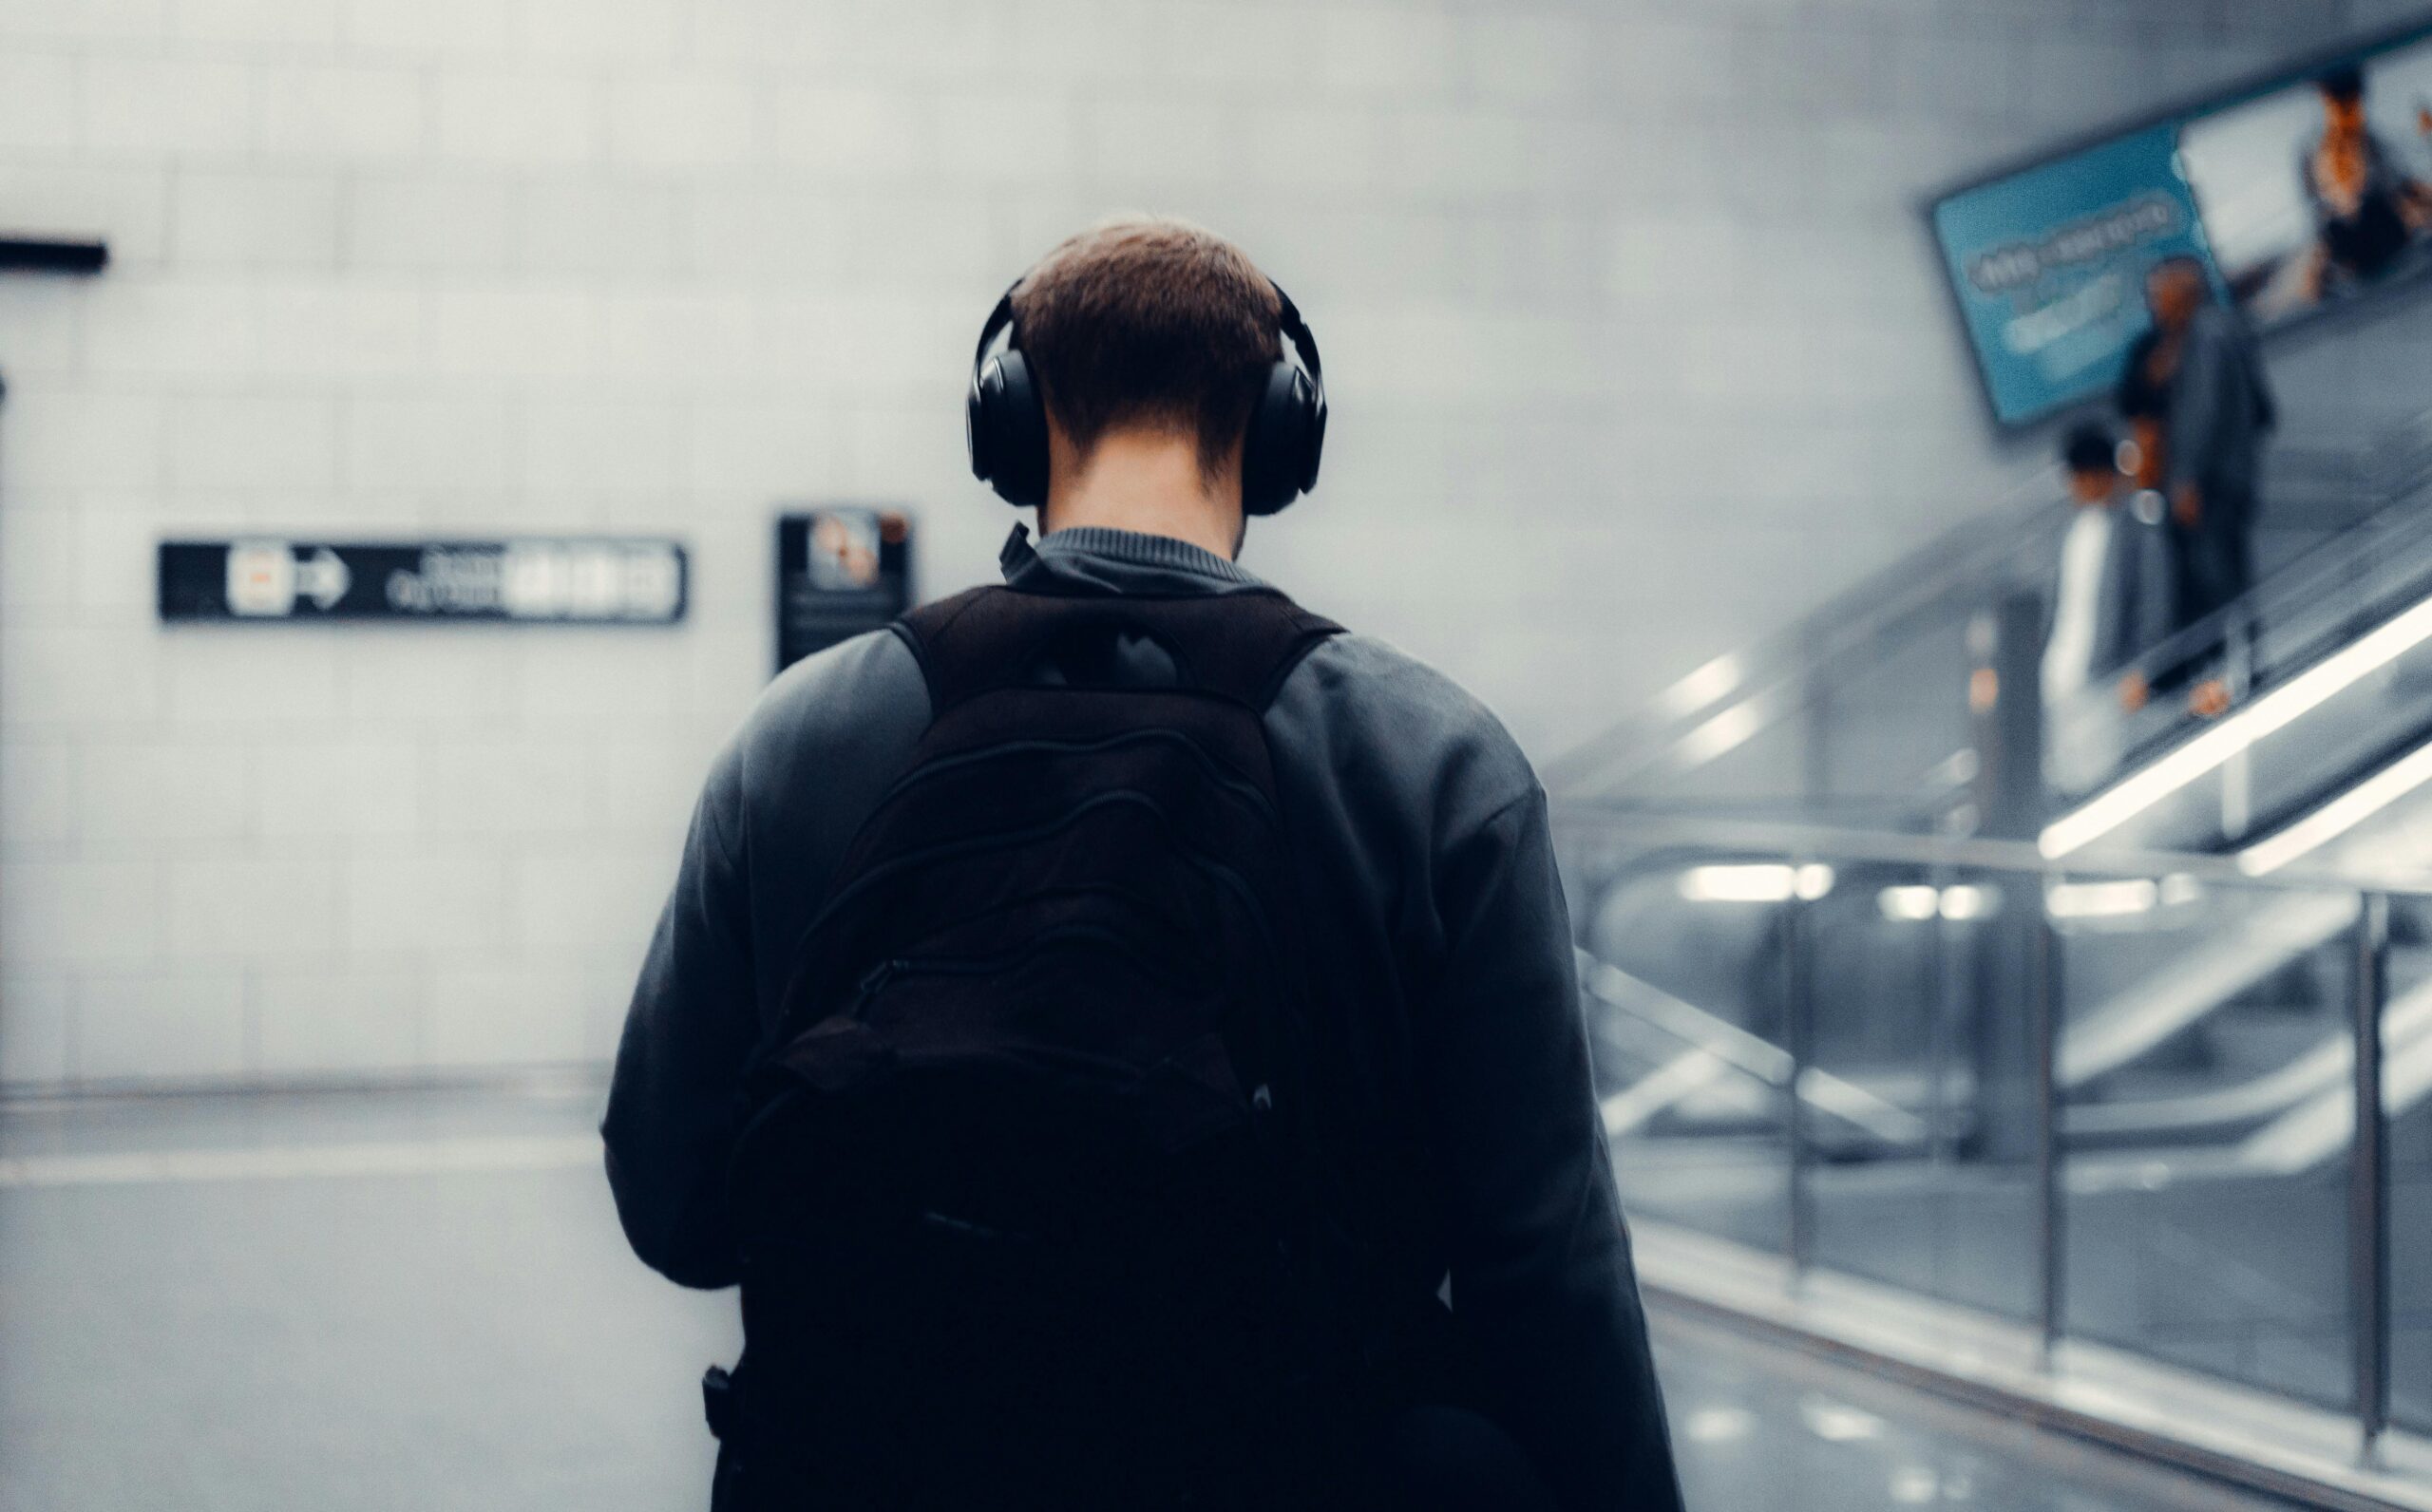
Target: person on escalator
<point>1122,1032</point>
<point>2109,602</point>
<point>2200,371</point>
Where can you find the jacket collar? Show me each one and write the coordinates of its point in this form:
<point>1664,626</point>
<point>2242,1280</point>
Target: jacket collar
<point>1095,559</point>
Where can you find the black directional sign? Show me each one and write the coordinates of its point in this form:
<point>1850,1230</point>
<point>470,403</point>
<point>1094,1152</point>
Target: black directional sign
<point>840,570</point>
<point>538,580</point>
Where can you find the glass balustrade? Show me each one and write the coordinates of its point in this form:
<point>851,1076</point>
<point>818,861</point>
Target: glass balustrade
<point>2113,1100</point>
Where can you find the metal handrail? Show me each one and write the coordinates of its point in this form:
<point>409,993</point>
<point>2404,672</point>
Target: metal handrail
<point>1807,842</point>
<point>2314,574</point>
<point>2025,513</point>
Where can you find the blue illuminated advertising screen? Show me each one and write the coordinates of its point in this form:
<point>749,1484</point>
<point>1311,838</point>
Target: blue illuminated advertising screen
<point>2299,194</point>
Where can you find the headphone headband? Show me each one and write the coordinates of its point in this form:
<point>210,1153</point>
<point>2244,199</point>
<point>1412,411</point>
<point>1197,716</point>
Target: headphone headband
<point>1288,320</point>
<point>1001,318</point>
<point>1293,326</point>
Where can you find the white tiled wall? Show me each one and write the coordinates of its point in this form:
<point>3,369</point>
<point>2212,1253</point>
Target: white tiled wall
<point>1635,342</point>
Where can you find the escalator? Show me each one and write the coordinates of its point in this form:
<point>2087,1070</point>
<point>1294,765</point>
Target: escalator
<point>1797,953</point>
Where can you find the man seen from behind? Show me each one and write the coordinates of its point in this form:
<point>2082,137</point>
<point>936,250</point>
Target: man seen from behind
<point>1120,1030</point>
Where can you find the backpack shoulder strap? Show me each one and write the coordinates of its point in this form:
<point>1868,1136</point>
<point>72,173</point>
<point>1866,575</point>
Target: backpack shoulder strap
<point>1237,646</point>
<point>926,625</point>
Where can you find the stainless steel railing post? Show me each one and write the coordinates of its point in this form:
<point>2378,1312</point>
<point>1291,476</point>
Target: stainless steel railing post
<point>2368,1218</point>
<point>1799,1016</point>
<point>2043,999</point>
<point>1942,1000</point>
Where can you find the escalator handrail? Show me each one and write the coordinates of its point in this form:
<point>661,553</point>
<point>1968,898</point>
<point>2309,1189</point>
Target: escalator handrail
<point>2323,570</point>
<point>1955,563</point>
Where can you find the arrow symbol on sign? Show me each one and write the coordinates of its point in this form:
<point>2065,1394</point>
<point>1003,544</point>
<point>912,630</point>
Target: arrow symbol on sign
<point>323,578</point>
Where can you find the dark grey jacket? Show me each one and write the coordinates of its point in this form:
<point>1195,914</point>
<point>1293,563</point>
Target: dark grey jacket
<point>2221,409</point>
<point>1420,832</point>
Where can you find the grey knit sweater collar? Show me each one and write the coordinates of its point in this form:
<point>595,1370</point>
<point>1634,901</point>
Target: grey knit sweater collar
<point>1122,562</point>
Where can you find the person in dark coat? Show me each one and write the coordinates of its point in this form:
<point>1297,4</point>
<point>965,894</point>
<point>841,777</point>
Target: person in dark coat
<point>2199,374</point>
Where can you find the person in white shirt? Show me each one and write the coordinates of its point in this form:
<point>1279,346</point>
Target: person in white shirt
<point>2110,601</point>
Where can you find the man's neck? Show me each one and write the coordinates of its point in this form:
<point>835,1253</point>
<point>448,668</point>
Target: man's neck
<point>1147,483</point>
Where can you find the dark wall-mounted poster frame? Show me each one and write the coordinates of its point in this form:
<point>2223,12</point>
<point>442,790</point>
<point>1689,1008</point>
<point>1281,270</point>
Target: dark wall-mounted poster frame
<point>843,569</point>
<point>2044,256</point>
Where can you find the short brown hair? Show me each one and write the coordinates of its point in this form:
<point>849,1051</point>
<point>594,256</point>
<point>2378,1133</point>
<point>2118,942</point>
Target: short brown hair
<point>1147,320</point>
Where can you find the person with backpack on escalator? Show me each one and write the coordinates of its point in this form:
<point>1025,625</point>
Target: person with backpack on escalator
<point>1118,1028</point>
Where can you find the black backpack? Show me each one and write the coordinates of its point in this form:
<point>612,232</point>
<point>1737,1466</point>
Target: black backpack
<point>1028,1212</point>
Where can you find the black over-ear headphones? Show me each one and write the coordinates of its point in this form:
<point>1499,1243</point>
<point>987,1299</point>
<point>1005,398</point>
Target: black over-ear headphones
<point>1004,418</point>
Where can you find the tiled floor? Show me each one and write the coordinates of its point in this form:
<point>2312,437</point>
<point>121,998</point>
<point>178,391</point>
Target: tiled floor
<point>422,1301</point>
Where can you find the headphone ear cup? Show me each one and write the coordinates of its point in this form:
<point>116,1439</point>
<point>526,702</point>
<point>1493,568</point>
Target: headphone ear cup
<point>979,432</point>
<point>1005,427</point>
<point>1273,454</point>
<point>1313,450</point>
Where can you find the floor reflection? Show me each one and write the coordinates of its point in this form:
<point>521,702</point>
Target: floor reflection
<point>421,1300</point>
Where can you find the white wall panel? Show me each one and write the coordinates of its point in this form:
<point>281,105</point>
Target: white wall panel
<point>182,1025</point>
<point>1638,349</point>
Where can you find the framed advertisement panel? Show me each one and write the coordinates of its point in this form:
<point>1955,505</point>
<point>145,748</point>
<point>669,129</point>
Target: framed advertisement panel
<point>2301,191</point>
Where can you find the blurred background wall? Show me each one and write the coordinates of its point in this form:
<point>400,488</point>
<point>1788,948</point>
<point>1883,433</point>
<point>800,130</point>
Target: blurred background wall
<point>1634,335</point>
